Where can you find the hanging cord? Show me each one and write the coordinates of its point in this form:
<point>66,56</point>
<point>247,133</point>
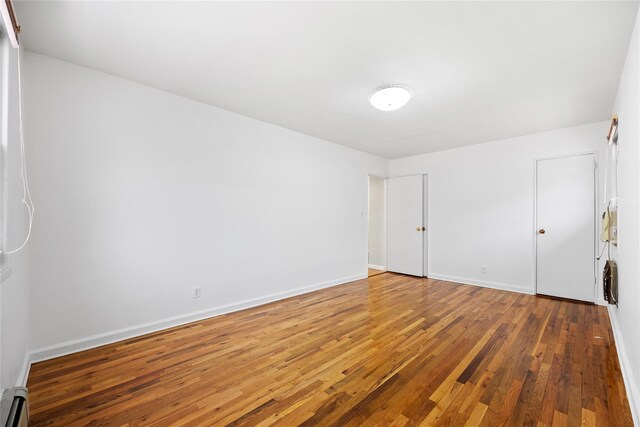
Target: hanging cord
<point>605,246</point>
<point>607,243</point>
<point>605,202</point>
<point>26,194</point>
<point>612,148</point>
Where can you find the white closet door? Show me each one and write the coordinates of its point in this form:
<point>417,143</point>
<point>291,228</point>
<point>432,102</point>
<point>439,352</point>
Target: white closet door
<point>565,230</point>
<point>404,225</point>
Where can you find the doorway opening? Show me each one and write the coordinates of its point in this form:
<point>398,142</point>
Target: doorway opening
<point>377,226</point>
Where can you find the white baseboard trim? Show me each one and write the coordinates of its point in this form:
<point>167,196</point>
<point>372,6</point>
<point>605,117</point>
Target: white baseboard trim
<point>86,343</point>
<point>484,284</point>
<point>376,267</point>
<point>625,365</point>
<point>24,372</point>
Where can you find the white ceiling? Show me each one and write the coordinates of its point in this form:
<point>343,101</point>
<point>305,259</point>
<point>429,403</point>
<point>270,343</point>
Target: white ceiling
<point>479,71</point>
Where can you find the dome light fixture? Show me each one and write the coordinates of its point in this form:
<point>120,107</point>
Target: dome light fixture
<point>390,97</point>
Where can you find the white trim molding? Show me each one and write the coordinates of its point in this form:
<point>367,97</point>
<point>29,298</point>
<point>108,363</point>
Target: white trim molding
<point>86,343</point>
<point>24,372</point>
<point>481,283</point>
<point>5,267</point>
<point>625,366</point>
<point>376,267</point>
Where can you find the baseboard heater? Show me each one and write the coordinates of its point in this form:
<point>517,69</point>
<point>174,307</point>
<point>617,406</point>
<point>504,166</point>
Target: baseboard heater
<point>14,407</point>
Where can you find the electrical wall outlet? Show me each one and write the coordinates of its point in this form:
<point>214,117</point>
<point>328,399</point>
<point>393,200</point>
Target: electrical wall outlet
<point>483,268</point>
<point>196,292</point>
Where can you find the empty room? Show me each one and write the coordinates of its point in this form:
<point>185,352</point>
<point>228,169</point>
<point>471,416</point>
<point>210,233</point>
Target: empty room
<point>323,213</point>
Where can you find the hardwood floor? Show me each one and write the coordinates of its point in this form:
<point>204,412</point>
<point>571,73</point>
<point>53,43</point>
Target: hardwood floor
<point>373,272</point>
<point>390,350</point>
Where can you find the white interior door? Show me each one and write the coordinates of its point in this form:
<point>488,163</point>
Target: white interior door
<point>404,225</point>
<point>565,230</point>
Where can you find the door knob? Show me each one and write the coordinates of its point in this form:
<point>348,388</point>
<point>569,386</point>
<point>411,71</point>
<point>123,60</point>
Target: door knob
<point>418,229</point>
<point>423,228</point>
<point>541,231</point>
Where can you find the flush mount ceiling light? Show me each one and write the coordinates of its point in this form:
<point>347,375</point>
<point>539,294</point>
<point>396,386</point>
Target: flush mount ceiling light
<point>390,97</point>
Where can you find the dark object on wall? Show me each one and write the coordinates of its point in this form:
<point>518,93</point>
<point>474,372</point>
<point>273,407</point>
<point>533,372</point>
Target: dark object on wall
<point>610,281</point>
<point>14,408</point>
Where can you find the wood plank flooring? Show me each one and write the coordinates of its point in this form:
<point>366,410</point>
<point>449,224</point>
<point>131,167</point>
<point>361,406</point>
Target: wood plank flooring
<point>373,272</point>
<point>390,350</point>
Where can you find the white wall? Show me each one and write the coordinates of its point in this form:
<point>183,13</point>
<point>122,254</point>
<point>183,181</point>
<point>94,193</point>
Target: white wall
<point>14,282</point>
<point>626,317</point>
<point>142,195</point>
<point>377,222</point>
<point>481,204</point>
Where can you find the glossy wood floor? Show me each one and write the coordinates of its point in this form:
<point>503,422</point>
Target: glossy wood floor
<point>373,272</point>
<point>391,350</point>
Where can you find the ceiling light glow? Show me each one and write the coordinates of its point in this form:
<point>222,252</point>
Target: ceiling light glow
<point>390,97</point>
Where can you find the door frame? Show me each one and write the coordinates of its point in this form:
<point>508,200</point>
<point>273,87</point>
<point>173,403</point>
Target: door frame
<point>595,217</point>
<point>384,222</point>
<point>426,251</point>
